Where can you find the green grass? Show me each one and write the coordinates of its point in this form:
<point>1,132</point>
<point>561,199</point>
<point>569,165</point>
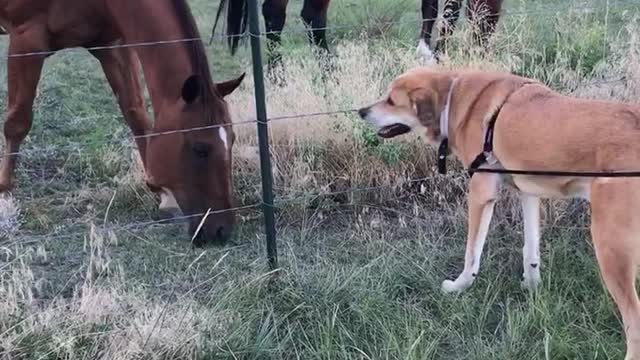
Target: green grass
<point>360,274</point>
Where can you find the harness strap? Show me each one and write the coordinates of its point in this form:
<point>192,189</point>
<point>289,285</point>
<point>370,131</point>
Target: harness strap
<point>443,149</point>
<point>486,156</point>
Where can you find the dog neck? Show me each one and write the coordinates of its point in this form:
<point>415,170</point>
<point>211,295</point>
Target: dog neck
<point>444,115</point>
<point>443,149</point>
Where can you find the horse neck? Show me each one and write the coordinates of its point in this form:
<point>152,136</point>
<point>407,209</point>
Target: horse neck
<point>165,66</point>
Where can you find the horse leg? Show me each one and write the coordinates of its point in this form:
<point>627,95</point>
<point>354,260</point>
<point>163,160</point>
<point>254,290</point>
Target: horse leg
<point>484,16</point>
<point>614,229</point>
<point>120,67</point>
<point>429,16</point>
<point>275,16</point>
<point>314,15</point>
<point>23,74</point>
<point>451,15</point>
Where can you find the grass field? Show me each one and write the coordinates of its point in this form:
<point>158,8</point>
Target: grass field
<point>360,272</point>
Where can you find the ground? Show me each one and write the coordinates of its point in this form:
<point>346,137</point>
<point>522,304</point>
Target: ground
<point>83,275</point>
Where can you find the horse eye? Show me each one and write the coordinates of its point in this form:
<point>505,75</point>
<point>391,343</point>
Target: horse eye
<point>201,150</point>
<point>390,102</point>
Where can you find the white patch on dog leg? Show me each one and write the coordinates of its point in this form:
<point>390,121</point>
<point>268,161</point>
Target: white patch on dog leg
<point>223,136</point>
<point>531,248</point>
<point>425,53</point>
<point>472,261</point>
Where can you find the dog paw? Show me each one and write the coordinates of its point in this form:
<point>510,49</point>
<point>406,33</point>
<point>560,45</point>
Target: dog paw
<point>530,283</point>
<point>451,287</point>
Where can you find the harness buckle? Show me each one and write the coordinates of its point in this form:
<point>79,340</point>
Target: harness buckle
<point>489,158</point>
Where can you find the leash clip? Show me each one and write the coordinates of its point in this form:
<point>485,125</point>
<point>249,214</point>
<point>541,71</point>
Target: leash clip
<point>489,158</point>
<point>443,151</point>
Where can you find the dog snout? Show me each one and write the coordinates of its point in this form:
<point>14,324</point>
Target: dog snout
<point>364,112</point>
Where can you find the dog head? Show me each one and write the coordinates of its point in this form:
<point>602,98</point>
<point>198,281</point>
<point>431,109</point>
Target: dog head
<point>415,101</point>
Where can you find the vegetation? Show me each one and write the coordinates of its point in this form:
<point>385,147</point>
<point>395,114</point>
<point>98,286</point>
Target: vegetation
<point>81,277</point>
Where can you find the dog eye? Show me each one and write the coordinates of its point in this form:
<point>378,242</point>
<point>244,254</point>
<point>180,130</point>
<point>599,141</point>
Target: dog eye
<point>201,150</point>
<point>390,102</point>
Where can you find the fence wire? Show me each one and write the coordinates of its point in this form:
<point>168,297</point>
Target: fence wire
<point>563,10</point>
<point>105,141</point>
<point>58,233</point>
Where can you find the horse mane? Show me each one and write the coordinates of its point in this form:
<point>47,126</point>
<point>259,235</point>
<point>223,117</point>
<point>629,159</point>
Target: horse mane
<point>237,20</point>
<point>198,53</point>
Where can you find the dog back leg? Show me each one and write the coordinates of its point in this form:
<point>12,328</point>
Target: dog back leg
<point>483,191</point>
<point>615,229</point>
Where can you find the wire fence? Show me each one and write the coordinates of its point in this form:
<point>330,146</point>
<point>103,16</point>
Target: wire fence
<point>558,10</point>
<point>72,231</point>
<point>109,141</point>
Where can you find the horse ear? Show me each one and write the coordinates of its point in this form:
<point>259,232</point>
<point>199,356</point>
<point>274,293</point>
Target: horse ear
<point>227,87</point>
<point>191,89</point>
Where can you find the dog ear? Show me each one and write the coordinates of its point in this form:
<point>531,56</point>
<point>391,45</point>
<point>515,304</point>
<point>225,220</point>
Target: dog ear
<point>426,109</point>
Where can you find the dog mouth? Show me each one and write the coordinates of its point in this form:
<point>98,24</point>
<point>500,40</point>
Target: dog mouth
<point>394,130</point>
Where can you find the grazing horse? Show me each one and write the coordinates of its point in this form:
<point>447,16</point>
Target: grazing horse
<point>485,12</point>
<point>314,15</point>
<point>190,169</point>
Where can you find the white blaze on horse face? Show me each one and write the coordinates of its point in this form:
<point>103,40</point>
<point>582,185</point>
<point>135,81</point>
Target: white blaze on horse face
<point>223,136</point>
<point>425,53</point>
<point>168,202</point>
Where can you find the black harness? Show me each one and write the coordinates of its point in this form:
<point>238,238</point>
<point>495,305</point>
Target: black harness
<point>487,157</point>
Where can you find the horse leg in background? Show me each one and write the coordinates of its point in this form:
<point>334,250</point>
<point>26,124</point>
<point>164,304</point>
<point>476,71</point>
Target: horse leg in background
<point>484,16</point>
<point>314,14</point>
<point>275,16</point>
<point>121,69</point>
<point>451,15</point>
<point>429,17</point>
<point>23,75</point>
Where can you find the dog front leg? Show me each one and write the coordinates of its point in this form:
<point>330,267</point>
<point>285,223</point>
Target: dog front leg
<point>531,248</point>
<point>483,190</point>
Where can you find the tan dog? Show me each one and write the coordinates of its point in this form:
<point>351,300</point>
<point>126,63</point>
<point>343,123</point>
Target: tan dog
<point>535,129</point>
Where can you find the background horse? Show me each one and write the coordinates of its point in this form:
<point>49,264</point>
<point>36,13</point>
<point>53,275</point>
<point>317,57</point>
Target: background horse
<point>191,170</point>
<point>314,16</point>
<point>484,15</point>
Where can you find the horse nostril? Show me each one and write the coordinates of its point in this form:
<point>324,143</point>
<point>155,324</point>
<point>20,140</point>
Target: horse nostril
<point>363,112</point>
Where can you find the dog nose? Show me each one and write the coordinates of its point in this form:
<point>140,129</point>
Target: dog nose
<point>363,112</point>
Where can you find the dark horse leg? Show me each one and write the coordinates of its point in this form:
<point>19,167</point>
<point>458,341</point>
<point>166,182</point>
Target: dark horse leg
<point>23,76</point>
<point>429,17</point>
<point>451,15</point>
<point>314,15</point>
<point>275,16</point>
<point>484,16</point>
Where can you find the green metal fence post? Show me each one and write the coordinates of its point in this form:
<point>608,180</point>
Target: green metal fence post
<point>263,134</point>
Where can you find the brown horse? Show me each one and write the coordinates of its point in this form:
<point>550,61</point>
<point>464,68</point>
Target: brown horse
<point>484,14</point>
<point>190,169</point>
<point>314,15</point>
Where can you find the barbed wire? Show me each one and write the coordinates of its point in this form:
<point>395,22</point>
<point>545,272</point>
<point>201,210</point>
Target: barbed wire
<point>557,10</point>
<point>115,228</point>
<point>62,233</point>
<point>120,142</point>
<point>280,202</point>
